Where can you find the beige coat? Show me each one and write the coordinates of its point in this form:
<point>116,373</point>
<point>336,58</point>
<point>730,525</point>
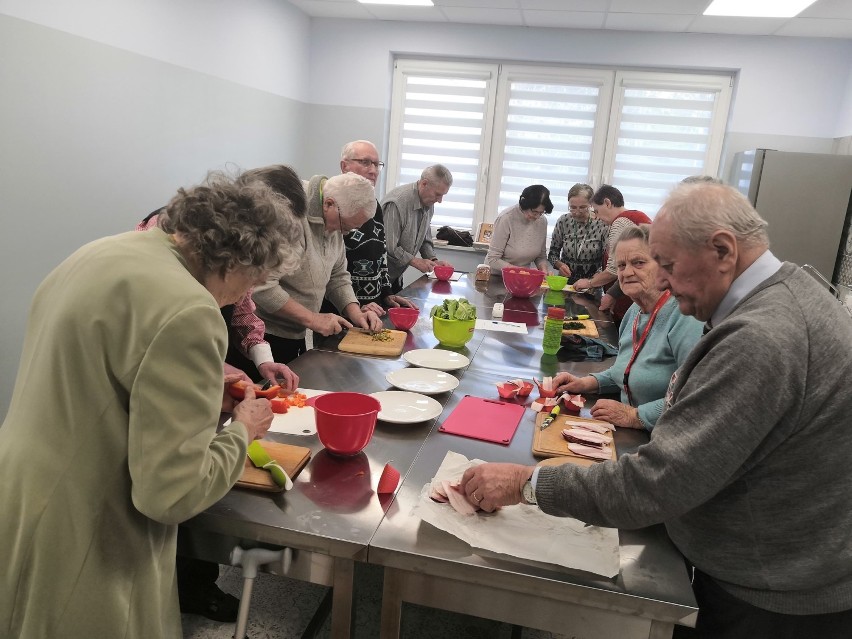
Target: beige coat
<point>110,442</point>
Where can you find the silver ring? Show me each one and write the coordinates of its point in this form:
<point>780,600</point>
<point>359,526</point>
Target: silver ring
<point>475,498</point>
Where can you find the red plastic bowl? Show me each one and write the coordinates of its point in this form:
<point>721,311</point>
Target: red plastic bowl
<point>522,282</point>
<point>444,273</point>
<point>345,421</point>
<point>403,318</point>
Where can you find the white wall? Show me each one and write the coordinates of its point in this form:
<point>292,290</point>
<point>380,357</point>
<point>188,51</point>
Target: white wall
<point>788,90</point>
<point>261,44</point>
<point>94,136</point>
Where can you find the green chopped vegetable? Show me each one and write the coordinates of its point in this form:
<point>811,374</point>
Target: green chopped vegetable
<point>459,309</point>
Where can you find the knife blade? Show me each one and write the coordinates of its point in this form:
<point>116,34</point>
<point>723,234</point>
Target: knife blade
<point>261,459</point>
<point>549,419</point>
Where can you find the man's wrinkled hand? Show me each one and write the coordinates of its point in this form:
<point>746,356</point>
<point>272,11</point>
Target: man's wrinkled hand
<point>490,486</point>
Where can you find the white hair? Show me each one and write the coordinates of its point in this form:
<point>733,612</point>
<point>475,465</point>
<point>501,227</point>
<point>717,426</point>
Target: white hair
<point>352,193</point>
<point>348,150</point>
<point>699,209</point>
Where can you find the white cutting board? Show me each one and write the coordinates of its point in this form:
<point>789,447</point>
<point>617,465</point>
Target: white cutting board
<point>297,421</point>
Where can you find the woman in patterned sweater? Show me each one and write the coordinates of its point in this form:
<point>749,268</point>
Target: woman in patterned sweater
<point>577,244</point>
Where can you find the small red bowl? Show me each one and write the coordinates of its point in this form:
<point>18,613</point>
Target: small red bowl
<point>507,390</point>
<point>444,273</point>
<point>403,318</point>
<point>345,421</point>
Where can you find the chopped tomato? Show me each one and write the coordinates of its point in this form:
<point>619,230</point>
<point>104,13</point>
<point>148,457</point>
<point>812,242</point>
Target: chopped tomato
<point>237,390</point>
<point>279,404</point>
<point>294,400</point>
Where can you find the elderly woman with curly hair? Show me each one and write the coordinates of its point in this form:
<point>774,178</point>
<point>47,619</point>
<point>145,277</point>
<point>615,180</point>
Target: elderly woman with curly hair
<point>110,440</point>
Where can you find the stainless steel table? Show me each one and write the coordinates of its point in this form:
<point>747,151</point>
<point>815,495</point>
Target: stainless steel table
<point>332,512</point>
<point>427,566</point>
<point>333,517</point>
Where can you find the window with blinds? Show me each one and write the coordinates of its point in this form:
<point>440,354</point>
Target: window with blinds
<point>500,128</point>
<point>665,127</point>
<point>441,116</point>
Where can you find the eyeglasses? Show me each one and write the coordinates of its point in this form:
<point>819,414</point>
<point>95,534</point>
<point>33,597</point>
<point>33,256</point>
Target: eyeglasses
<point>535,213</point>
<point>367,163</point>
<point>584,208</point>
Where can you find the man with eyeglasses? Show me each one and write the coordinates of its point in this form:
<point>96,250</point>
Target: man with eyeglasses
<point>366,247</point>
<point>291,304</point>
<point>408,211</point>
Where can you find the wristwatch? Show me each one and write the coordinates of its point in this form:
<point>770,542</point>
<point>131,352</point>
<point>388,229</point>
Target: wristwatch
<point>528,492</point>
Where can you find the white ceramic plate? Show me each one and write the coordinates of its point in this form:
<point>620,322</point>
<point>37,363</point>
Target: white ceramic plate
<point>422,380</point>
<point>436,358</point>
<point>399,407</point>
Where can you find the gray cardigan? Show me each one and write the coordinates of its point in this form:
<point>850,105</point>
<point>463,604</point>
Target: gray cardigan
<point>407,228</point>
<point>322,273</point>
<point>748,466</point>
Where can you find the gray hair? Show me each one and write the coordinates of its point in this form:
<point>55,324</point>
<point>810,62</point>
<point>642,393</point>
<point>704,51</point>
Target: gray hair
<point>228,223</point>
<point>352,193</point>
<point>699,209</point>
<point>698,179</point>
<point>583,190</point>
<point>635,232</point>
<point>348,150</point>
<point>437,173</point>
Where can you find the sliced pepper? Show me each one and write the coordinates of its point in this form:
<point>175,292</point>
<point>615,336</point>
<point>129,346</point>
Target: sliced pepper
<point>237,390</point>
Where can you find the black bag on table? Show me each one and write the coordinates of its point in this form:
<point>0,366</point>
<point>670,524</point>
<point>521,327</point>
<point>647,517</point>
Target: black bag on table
<point>454,237</point>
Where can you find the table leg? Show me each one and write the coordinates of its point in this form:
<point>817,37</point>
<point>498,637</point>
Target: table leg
<point>341,607</point>
<point>391,604</point>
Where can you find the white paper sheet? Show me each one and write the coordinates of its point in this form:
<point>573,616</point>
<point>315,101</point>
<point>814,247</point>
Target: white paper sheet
<point>505,327</point>
<point>522,531</point>
<point>455,277</point>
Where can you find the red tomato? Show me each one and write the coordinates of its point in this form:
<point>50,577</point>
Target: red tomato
<point>279,404</point>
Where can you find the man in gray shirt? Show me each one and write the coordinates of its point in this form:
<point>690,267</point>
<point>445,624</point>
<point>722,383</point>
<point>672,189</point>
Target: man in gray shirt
<point>408,211</point>
<point>748,466</point>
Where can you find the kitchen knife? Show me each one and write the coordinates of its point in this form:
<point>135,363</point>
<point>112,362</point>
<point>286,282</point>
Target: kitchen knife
<point>549,419</point>
<point>260,458</point>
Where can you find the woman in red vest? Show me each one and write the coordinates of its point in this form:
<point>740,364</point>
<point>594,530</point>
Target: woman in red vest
<point>609,208</point>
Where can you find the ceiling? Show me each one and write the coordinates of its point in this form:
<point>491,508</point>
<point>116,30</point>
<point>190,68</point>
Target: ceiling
<point>823,19</point>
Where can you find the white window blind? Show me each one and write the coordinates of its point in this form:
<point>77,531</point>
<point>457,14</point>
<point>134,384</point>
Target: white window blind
<point>665,127</point>
<point>552,134</point>
<point>441,117</point>
<point>500,128</point>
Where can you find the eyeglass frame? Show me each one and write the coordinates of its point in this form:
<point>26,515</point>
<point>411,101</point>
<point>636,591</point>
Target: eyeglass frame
<point>367,163</point>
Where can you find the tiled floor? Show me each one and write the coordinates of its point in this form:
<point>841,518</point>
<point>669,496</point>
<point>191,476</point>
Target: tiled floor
<point>281,608</point>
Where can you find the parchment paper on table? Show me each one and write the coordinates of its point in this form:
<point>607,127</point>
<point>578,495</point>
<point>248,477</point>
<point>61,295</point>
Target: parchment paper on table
<point>521,531</point>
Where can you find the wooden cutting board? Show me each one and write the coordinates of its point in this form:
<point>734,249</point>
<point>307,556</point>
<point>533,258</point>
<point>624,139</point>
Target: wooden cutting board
<point>550,443</point>
<point>291,458</point>
<point>590,329</point>
<point>364,344</point>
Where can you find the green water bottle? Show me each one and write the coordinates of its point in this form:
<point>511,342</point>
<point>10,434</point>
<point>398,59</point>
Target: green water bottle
<point>553,330</point>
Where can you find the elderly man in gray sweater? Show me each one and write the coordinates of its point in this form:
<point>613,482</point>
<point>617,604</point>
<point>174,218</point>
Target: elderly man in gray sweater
<point>748,467</point>
<point>408,211</point>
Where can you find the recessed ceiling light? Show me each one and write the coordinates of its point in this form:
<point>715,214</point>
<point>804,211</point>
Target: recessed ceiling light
<point>757,8</point>
<point>407,3</point>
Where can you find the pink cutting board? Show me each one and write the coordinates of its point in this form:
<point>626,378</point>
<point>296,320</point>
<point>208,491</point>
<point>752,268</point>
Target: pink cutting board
<point>486,419</point>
